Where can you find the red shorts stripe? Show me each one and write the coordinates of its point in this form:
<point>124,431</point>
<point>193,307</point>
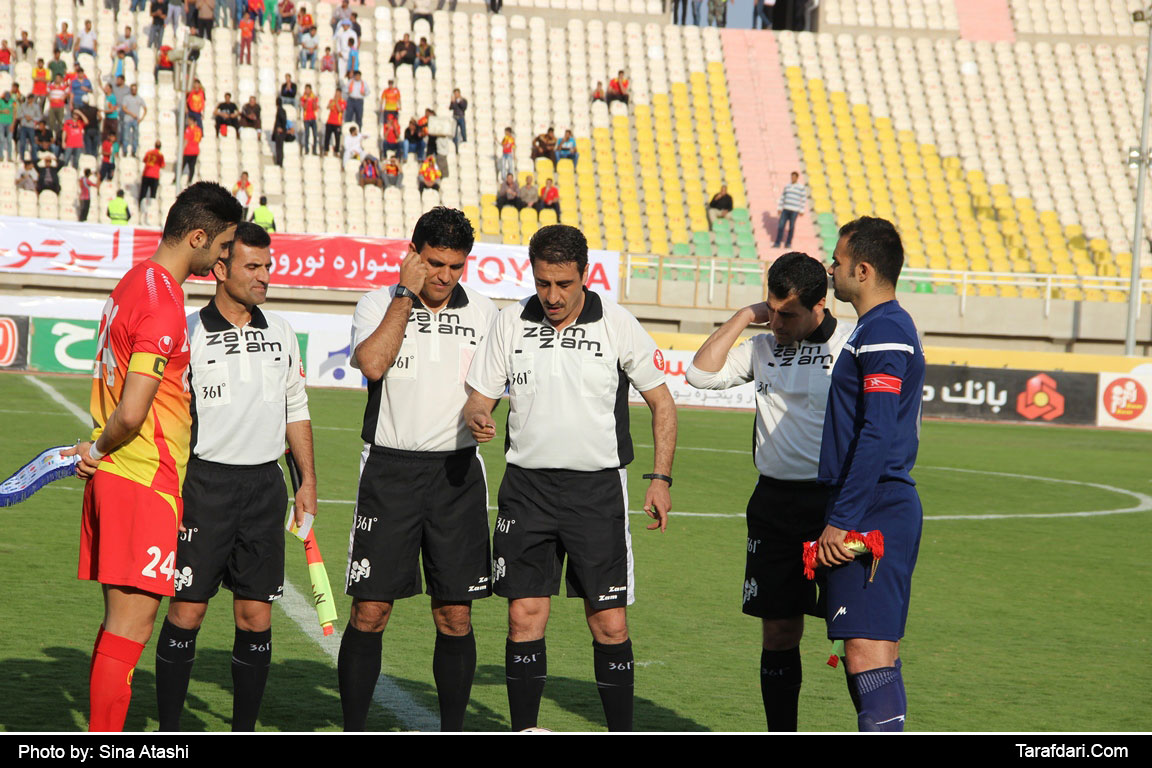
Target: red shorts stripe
<point>882,382</point>
<point>128,534</point>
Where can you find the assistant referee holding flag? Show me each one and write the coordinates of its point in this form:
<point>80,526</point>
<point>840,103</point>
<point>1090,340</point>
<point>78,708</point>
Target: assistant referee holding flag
<point>567,356</point>
<point>247,384</point>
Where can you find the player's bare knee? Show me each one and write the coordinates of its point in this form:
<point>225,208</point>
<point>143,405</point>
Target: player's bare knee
<point>527,619</point>
<point>186,614</point>
<point>370,615</point>
<point>609,627</point>
<point>452,618</point>
<point>252,615</point>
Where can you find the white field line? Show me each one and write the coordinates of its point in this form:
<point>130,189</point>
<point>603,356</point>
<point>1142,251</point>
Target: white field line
<point>388,694</point>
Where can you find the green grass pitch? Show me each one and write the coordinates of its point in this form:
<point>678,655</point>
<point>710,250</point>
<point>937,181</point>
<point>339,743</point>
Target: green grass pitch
<point>1025,617</point>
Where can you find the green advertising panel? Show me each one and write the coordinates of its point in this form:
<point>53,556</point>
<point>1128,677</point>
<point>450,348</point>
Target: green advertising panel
<point>59,345</point>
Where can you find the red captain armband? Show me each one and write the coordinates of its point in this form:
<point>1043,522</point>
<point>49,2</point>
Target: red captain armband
<point>867,543</point>
<point>882,382</point>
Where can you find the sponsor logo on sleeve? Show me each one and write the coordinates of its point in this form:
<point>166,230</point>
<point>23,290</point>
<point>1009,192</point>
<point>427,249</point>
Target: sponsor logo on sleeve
<point>658,359</point>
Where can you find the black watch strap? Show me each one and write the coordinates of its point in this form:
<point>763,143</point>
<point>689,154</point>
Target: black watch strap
<point>402,291</point>
<point>655,476</point>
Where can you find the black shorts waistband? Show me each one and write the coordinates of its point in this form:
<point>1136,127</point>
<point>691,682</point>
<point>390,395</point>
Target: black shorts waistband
<point>231,467</point>
<point>806,485</point>
<point>396,453</point>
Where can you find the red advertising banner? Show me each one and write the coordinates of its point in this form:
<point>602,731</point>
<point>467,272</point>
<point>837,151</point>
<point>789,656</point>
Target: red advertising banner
<point>339,262</point>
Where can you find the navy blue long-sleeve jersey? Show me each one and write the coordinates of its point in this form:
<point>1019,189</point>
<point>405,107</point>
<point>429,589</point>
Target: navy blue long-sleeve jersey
<point>872,424</point>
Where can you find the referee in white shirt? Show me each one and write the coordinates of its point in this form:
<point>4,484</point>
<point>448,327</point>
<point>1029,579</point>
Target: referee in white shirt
<point>247,384</point>
<point>567,356</point>
<point>792,368</point>
<point>422,486</point>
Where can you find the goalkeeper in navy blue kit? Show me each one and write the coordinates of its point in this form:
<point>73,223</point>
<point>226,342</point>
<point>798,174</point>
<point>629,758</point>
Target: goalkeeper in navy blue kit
<point>871,435</point>
<point>791,368</point>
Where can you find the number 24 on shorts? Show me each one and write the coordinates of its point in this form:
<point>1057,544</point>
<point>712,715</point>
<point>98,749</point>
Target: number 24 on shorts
<point>167,568</point>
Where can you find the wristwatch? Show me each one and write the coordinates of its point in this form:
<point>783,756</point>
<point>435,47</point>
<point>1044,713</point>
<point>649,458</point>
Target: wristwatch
<point>402,291</point>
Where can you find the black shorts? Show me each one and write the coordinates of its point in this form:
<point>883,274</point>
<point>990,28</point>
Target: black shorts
<point>234,520</point>
<point>413,503</point>
<point>782,515</point>
<point>546,514</point>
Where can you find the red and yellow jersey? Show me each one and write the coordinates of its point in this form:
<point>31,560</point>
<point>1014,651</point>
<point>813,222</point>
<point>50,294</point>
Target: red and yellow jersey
<point>508,144</point>
<point>153,162</point>
<point>391,99</point>
<point>143,330</point>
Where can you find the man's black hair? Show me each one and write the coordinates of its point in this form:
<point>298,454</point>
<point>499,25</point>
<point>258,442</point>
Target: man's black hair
<point>559,244</point>
<point>249,234</point>
<point>205,205</point>
<point>875,242</point>
<point>798,273</point>
<point>444,227</point>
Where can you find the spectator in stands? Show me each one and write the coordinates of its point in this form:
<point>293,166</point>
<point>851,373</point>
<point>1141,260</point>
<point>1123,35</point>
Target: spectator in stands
<point>425,132</point>
<point>111,111</point>
<point>242,191</point>
<point>255,9</point>
<point>404,52</point>
<point>226,116</point>
<point>192,136</point>
<point>507,154</point>
<point>413,141</point>
<point>425,56</point>
<point>262,215</point>
<point>159,12</point>
<point>549,198</point>
<point>64,39</point>
<point>598,92</point>
<point>308,48</point>
<point>357,91</point>
<point>392,175</point>
<point>133,110</point>
<point>247,29</point>
<point>391,137</point>
<point>27,180</point>
<point>369,173</point>
<point>118,211</point>
<point>57,67</point>
<point>305,20</point>
<point>288,91</point>
<point>310,107</point>
<point>350,55</point>
<point>336,107</point>
<point>509,193</point>
<point>720,206</point>
<point>58,97</point>
<point>250,115</point>
<point>45,139</point>
<point>430,175</point>
<point>86,42</point>
<point>279,132</point>
<point>176,14</point>
<point>353,145</point>
<point>91,128</point>
<point>391,100</point>
<point>793,201</point>
<point>286,15</point>
<point>49,176</point>
<point>126,44</point>
<point>529,195</point>
<point>163,61</point>
<point>762,11</point>
<point>87,184</point>
<point>196,101</point>
<point>544,145</point>
<point>80,86</point>
<point>73,142</point>
<point>272,15</point>
<point>108,150</point>
<point>495,5</point>
<point>8,107</point>
<point>328,61</point>
<point>459,105</point>
<point>30,114</point>
<point>422,9</point>
<point>718,12</point>
<point>25,46</point>
<point>40,79</point>
<point>567,148</point>
<point>205,17</point>
<point>343,13</point>
<point>618,88</point>
<point>5,57</point>
<point>679,11</point>
<point>354,22</point>
<point>699,18</point>
<point>150,177</point>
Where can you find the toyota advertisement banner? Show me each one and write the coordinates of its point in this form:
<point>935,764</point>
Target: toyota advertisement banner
<point>340,262</point>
